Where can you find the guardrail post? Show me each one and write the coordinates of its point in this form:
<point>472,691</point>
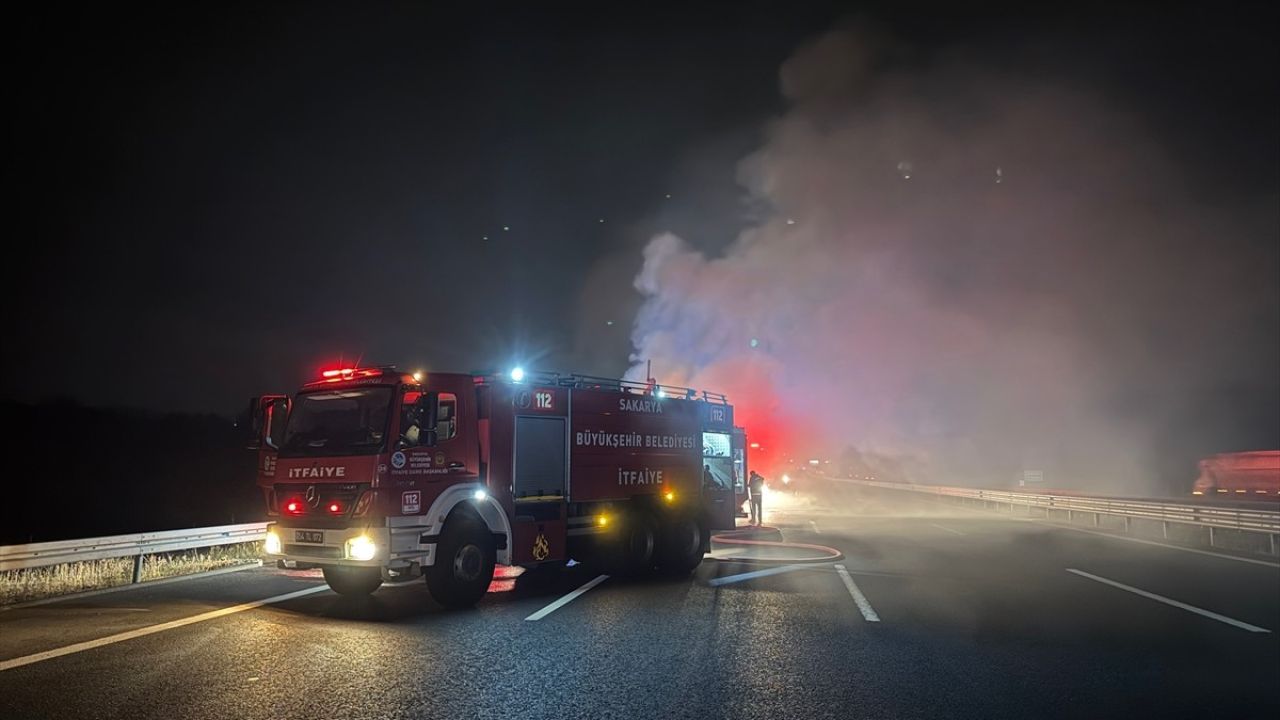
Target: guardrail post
<point>1210,536</point>
<point>1272,542</point>
<point>137,568</point>
<point>1126,525</point>
<point>1164,529</point>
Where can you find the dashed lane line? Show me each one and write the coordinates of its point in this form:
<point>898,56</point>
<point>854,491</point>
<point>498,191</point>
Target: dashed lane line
<point>1167,601</point>
<point>864,605</point>
<point>943,527</point>
<point>566,599</point>
<point>152,629</point>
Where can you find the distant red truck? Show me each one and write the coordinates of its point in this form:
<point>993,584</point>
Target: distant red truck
<point>1244,474</point>
<point>371,473</point>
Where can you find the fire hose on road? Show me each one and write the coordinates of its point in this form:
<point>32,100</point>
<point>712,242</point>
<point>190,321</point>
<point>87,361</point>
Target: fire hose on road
<point>748,545</point>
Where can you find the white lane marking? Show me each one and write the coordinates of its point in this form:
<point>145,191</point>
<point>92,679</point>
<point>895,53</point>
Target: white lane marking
<point>727,579</point>
<point>940,527</point>
<point>814,525</point>
<point>1160,544</point>
<point>152,629</point>
<point>864,606</point>
<point>566,599</point>
<point>148,584</point>
<point>1167,601</point>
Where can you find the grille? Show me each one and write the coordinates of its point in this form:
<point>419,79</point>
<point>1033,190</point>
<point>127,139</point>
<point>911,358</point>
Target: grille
<point>345,495</point>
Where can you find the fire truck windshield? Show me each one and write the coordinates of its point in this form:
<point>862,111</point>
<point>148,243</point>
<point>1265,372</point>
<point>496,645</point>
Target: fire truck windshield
<point>338,422</point>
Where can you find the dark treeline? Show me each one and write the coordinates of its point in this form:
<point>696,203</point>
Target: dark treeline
<point>77,471</point>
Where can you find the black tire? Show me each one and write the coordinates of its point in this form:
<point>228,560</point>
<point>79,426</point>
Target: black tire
<point>680,549</point>
<point>463,569</point>
<point>636,545</point>
<point>353,581</point>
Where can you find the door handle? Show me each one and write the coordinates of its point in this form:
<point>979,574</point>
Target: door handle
<point>455,465</point>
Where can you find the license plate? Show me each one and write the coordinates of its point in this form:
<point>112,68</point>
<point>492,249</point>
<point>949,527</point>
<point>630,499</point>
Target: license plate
<point>308,536</point>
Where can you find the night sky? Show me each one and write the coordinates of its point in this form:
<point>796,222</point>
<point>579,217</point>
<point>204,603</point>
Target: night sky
<point>211,202</point>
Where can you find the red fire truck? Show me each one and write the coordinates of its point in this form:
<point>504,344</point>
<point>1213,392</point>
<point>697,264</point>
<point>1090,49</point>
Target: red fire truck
<point>1252,475</point>
<point>371,473</point>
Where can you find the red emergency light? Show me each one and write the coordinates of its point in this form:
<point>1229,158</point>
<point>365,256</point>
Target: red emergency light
<point>335,508</point>
<point>340,374</point>
<point>294,507</point>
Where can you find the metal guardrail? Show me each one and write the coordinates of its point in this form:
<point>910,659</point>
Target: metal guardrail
<point>34,555</point>
<point>1243,519</point>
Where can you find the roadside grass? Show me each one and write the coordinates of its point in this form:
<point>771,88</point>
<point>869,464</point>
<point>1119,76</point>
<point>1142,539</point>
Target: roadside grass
<point>18,586</point>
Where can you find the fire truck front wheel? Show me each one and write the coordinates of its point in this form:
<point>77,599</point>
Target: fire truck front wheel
<point>463,569</point>
<point>354,581</point>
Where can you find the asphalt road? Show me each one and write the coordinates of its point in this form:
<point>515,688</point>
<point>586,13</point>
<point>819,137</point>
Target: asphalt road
<point>939,612</point>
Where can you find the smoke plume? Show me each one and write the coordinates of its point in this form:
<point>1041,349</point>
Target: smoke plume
<point>967,269</point>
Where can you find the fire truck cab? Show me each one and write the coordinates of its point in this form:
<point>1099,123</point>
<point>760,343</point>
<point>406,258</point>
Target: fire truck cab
<point>371,473</point>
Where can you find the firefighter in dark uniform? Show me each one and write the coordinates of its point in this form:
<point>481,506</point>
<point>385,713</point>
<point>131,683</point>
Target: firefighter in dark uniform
<point>757,497</point>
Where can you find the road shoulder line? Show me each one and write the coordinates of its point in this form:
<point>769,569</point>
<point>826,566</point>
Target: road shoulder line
<point>1169,601</point>
<point>1114,536</point>
<point>130,586</point>
<point>152,629</point>
<point>1143,541</point>
<point>728,579</point>
<point>570,597</point>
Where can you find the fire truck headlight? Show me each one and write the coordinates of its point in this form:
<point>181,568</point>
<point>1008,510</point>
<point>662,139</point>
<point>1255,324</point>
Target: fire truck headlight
<point>602,520</point>
<point>517,374</point>
<point>272,545</point>
<point>479,495</point>
<point>786,479</point>
<point>361,548</point>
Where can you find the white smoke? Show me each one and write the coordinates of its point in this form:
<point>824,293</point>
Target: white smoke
<point>962,266</point>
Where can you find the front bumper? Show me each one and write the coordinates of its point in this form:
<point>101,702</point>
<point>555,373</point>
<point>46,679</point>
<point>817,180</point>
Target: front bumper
<point>394,547</point>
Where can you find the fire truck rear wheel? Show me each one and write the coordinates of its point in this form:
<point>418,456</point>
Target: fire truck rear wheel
<point>463,569</point>
<point>353,581</point>
<point>636,544</point>
<point>681,548</point>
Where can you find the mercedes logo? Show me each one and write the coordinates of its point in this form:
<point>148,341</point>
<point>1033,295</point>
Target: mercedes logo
<point>313,497</point>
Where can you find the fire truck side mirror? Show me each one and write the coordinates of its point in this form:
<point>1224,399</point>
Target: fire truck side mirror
<point>254,423</point>
<point>275,413</point>
<point>267,415</point>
